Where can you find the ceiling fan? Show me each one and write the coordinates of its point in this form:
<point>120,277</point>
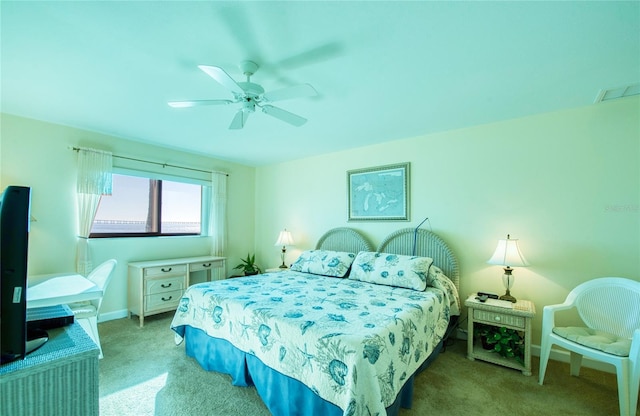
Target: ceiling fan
<point>251,95</point>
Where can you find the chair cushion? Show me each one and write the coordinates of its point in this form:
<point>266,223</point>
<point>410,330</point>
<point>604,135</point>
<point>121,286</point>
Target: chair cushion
<point>599,340</point>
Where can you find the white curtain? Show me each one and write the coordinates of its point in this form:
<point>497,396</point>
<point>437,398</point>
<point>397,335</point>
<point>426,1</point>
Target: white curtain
<point>218,214</point>
<point>94,180</point>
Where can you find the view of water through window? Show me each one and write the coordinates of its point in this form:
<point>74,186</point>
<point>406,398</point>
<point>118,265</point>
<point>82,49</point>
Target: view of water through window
<point>119,226</point>
<point>135,203</point>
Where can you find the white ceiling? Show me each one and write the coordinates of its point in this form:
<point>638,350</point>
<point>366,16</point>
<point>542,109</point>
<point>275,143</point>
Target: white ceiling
<point>384,70</point>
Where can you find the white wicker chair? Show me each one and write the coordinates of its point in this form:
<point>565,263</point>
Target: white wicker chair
<point>86,313</point>
<point>610,309</point>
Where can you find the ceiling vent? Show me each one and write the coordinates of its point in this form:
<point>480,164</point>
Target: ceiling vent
<point>620,92</point>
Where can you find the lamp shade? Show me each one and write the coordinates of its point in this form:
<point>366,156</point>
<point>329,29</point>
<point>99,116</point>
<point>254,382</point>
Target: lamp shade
<point>508,254</point>
<point>284,239</point>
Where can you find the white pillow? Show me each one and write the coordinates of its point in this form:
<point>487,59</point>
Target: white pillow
<point>324,262</point>
<point>391,269</point>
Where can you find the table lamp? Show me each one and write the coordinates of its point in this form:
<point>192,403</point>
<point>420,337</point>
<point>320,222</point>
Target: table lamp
<point>508,254</point>
<point>284,240</point>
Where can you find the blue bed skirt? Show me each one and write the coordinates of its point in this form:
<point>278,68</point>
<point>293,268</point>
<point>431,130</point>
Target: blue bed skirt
<point>283,395</point>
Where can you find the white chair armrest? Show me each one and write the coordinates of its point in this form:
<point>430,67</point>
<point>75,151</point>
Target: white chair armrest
<point>560,306</point>
<point>548,315</point>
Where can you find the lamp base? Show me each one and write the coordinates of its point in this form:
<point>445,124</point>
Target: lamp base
<point>284,251</point>
<point>507,296</point>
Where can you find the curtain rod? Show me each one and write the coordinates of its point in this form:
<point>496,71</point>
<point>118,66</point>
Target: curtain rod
<point>164,165</point>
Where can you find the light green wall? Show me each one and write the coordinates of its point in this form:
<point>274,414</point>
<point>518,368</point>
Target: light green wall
<point>567,184</point>
<point>36,154</point>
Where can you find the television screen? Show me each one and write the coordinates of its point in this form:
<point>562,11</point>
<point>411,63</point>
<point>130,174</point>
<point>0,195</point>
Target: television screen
<point>15,204</point>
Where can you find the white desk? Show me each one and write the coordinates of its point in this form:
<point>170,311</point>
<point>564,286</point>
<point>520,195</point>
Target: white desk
<point>60,290</point>
<point>156,286</point>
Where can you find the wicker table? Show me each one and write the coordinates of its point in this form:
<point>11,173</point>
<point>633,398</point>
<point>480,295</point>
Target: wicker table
<point>59,378</point>
<point>515,316</point>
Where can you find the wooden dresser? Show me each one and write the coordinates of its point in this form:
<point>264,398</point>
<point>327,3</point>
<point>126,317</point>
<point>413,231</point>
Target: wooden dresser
<point>156,286</point>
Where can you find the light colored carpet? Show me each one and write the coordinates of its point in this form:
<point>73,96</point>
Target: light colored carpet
<point>144,373</point>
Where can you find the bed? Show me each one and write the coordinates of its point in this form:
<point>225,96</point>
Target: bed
<point>329,336</point>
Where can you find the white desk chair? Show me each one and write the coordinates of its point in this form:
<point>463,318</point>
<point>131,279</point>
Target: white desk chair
<point>610,309</point>
<point>86,313</point>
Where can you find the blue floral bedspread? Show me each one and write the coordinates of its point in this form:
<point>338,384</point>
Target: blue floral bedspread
<point>353,343</point>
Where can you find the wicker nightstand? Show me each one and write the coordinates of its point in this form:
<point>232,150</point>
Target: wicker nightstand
<point>517,317</point>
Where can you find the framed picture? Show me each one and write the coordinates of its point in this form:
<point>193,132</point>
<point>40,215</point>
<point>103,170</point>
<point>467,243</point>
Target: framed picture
<point>380,193</point>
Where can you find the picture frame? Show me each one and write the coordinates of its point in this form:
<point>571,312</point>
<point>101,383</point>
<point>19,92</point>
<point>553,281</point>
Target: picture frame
<point>379,193</point>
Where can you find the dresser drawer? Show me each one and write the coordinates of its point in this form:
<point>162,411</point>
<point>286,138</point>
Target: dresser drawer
<point>165,270</point>
<point>165,284</point>
<point>207,265</point>
<point>166,300</point>
<point>156,286</point>
<point>498,318</point>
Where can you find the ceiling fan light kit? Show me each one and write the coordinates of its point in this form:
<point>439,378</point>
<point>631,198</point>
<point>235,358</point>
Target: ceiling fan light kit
<point>251,95</point>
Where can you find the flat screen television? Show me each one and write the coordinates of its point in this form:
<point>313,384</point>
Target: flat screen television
<point>15,208</point>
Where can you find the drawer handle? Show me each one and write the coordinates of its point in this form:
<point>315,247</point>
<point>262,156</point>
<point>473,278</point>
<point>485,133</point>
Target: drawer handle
<point>165,286</point>
<point>206,265</point>
<point>168,270</point>
<point>169,298</point>
<point>497,318</point>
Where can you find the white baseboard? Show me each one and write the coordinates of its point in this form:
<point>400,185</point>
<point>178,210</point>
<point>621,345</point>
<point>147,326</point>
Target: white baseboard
<point>563,356</point>
<point>110,316</point>
<point>558,355</point>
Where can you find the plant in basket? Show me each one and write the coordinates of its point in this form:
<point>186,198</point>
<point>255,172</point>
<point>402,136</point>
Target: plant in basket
<point>505,341</point>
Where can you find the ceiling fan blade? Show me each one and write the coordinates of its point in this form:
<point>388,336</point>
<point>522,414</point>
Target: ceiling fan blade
<point>297,91</point>
<point>239,120</point>
<point>315,55</point>
<point>222,77</point>
<point>195,103</point>
<point>284,115</point>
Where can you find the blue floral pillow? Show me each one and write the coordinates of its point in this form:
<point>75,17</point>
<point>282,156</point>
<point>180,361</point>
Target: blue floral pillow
<point>391,269</point>
<point>324,262</point>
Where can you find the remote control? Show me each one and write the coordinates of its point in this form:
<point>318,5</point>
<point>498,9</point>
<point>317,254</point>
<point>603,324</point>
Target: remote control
<point>488,295</point>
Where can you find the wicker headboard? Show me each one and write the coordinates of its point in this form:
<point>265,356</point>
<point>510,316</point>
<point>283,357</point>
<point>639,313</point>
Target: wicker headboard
<point>344,239</point>
<point>427,244</point>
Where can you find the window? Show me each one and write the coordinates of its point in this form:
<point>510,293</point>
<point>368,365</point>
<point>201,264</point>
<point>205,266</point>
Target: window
<point>141,207</point>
